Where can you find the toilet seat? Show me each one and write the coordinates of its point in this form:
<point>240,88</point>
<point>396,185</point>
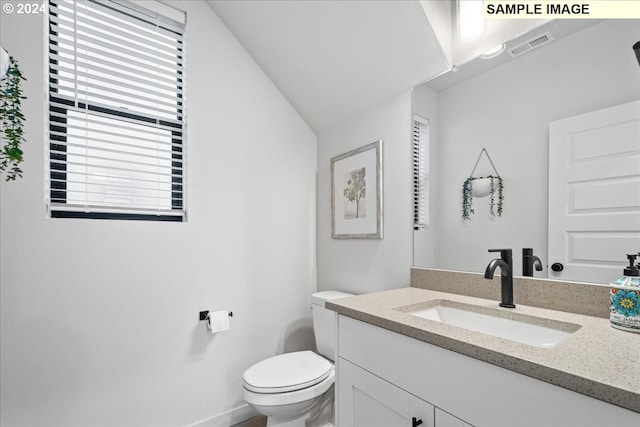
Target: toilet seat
<point>266,400</point>
<point>287,372</point>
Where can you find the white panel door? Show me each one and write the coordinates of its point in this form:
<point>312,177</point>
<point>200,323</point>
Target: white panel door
<point>594,193</point>
<point>366,400</point>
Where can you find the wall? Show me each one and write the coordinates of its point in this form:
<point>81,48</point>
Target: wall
<point>507,110</point>
<point>99,318</point>
<point>363,265</point>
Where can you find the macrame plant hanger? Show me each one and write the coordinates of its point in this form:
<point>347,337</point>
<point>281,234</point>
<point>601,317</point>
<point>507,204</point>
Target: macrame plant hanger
<point>486,153</point>
<point>468,190</point>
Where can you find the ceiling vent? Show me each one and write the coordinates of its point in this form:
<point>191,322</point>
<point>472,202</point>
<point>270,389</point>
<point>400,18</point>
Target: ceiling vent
<point>529,45</point>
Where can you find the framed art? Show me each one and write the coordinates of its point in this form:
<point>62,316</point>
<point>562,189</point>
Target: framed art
<point>356,193</point>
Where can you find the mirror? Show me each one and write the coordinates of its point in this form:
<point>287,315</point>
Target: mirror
<point>505,105</point>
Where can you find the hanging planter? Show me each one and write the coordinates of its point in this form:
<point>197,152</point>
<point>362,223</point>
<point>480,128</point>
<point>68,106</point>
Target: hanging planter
<point>483,186</point>
<point>11,117</point>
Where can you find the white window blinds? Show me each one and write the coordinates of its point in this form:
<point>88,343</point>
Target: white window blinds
<point>420,173</point>
<point>116,136</point>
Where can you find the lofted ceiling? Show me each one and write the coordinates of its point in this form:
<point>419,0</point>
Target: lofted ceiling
<point>335,59</point>
<point>557,29</point>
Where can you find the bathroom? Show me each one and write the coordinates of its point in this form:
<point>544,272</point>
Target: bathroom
<point>99,318</point>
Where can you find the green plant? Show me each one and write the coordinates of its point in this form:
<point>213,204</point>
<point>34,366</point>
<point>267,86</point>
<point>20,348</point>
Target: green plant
<point>492,201</point>
<point>11,120</point>
<point>467,196</point>
<point>467,199</point>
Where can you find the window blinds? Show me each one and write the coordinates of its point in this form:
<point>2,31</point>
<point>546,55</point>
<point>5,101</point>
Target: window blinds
<point>115,111</point>
<point>420,174</point>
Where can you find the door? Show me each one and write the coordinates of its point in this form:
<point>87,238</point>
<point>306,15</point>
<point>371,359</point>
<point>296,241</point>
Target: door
<point>366,400</point>
<point>594,193</point>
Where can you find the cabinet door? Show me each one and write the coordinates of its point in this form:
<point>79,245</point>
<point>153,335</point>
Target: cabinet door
<point>445,419</point>
<point>365,400</point>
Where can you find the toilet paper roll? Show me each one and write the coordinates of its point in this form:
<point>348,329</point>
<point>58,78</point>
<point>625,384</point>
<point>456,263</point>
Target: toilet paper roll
<point>218,321</point>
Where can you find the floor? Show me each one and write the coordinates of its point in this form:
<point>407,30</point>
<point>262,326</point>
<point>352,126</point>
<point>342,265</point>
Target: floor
<point>257,421</point>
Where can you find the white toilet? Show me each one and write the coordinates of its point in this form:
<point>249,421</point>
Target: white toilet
<point>296,389</point>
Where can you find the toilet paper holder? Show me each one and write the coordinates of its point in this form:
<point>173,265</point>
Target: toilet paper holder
<point>204,314</point>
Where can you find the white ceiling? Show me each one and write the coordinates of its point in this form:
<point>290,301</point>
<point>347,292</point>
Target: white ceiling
<point>335,59</point>
<point>559,29</point>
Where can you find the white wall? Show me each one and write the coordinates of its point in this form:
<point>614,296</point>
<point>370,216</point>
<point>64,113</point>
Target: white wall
<point>507,110</point>
<point>99,318</point>
<point>363,265</point>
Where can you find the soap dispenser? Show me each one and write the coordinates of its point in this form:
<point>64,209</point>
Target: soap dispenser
<point>624,296</point>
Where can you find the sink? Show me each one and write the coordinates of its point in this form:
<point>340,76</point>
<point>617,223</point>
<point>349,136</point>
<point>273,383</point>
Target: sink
<point>530,330</point>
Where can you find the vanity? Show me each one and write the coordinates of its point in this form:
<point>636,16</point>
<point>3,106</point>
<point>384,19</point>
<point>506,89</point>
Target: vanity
<point>405,360</point>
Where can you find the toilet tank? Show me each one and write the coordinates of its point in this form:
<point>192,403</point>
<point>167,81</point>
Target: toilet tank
<point>325,322</point>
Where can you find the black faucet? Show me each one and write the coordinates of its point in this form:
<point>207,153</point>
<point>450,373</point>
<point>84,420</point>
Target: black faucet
<point>529,260</point>
<point>506,272</point>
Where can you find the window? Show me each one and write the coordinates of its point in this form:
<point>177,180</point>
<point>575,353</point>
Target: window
<point>116,131</point>
<point>420,173</point>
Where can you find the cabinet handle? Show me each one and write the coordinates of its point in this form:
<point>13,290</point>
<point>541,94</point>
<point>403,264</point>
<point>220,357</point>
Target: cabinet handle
<point>415,422</point>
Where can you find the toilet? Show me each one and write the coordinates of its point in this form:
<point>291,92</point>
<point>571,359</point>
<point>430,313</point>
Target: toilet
<point>296,389</point>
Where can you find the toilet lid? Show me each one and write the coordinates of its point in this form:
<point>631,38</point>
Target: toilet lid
<point>287,372</point>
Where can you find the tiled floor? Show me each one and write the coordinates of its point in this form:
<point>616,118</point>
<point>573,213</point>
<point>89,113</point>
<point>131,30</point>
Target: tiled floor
<point>257,421</point>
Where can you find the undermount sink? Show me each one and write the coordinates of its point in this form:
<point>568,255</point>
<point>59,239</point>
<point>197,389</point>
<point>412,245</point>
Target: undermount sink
<point>530,330</point>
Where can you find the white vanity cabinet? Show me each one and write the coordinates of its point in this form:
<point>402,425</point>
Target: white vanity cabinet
<point>369,401</point>
<point>385,379</point>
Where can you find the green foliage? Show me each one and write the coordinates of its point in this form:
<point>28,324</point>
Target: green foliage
<point>492,201</point>
<point>467,198</point>
<point>11,120</point>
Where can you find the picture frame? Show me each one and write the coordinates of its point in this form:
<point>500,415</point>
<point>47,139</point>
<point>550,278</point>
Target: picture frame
<point>356,193</point>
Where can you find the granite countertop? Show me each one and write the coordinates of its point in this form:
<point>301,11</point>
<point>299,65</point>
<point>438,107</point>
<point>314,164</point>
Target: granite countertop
<point>596,360</point>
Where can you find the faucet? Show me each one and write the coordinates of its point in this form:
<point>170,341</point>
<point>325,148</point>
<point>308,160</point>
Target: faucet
<point>529,260</point>
<point>505,262</point>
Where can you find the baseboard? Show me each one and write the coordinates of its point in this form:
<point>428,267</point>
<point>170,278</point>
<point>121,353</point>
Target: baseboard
<point>229,418</point>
